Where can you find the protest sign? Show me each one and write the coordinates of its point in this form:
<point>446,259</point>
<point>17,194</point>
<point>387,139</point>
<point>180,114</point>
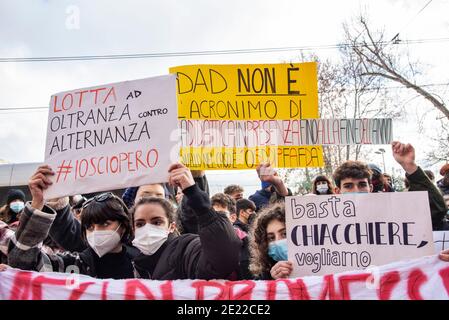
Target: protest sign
<point>441,240</point>
<point>261,133</point>
<point>201,158</point>
<point>334,233</point>
<point>112,136</point>
<point>249,94</point>
<point>424,278</point>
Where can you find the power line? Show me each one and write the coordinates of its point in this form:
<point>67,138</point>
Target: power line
<point>380,88</point>
<point>198,53</point>
<point>395,87</point>
<point>19,112</point>
<point>22,108</point>
<point>164,54</point>
<point>396,39</point>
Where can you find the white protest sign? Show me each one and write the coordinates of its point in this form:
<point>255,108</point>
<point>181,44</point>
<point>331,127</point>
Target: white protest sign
<point>441,240</point>
<point>112,136</point>
<point>291,132</point>
<point>334,233</point>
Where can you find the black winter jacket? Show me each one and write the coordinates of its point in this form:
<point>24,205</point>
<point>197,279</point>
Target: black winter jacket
<point>187,216</point>
<point>213,253</point>
<point>443,188</point>
<point>420,182</point>
<point>25,251</point>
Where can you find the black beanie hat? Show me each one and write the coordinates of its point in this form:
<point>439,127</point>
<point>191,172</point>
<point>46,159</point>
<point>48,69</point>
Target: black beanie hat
<point>15,194</point>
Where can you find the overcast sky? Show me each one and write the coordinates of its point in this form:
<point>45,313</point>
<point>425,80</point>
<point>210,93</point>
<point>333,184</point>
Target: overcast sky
<point>50,28</point>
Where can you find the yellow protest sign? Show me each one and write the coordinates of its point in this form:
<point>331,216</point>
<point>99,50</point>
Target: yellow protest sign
<point>222,158</point>
<point>248,92</point>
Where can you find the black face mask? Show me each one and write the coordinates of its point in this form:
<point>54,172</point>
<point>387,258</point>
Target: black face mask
<point>446,180</point>
<point>228,215</point>
<point>251,218</point>
<point>377,185</point>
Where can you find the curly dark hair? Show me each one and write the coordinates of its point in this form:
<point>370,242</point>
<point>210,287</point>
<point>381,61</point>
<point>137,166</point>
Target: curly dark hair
<point>224,201</point>
<point>260,262</point>
<point>352,169</point>
<point>233,188</point>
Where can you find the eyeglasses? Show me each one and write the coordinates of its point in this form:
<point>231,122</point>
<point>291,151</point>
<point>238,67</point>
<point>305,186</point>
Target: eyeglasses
<point>100,198</point>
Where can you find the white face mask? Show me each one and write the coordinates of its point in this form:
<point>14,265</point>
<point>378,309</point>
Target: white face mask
<point>322,188</point>
<point>17,206</point>
<point>103,241</point>
<point>149,238</point>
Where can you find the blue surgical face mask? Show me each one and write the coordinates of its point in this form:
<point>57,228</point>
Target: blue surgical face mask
<point>17,206</point>
<point>265,184</point>
<point>277,250</point>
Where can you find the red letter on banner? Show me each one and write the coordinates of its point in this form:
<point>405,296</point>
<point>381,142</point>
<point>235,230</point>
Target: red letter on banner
<point>201,284</point>
<point>387,284</point>
<point>131,288</point>
<point>245,293</point>
<point>329,288</point>
<point>415,280</point>
<point>347,279</point>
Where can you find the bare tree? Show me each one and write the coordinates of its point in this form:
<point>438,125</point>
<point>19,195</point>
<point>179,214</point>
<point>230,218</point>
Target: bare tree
<point>333,102</point>
<point>384,60</point>
<point>343,92</point>
<point>379,59</point>
<point>441,152</point>
<point>346,93</point>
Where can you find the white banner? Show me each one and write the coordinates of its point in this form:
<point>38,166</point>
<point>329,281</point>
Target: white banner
<point>292,132</point>
<point>424,278</point>
<point>112,136</point>
<point>334,233</point>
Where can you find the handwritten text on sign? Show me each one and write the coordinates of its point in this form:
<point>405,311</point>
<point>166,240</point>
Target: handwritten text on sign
<point>329,234</point>
<point>244,92</point>
<point>441,240</point>
<point>210,158</point>
<point>111,136</point>
<point>424,278</point>
<point>229,93</point>
<point>306,132</point>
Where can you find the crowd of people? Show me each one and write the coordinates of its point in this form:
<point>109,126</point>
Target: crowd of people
<point>177,230</point>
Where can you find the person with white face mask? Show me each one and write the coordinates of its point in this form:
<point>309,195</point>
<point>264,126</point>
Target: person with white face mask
<point>105,225</point>
<point>107,228</point>
<point>158,253</point>
<point>15,202</point>
<point>213,253</point>
<point>322,185</point>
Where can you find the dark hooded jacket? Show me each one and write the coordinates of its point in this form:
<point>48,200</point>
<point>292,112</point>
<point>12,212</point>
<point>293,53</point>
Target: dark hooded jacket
<point>443,188</point>
<point>25,251</point>
<point>213,253</point>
